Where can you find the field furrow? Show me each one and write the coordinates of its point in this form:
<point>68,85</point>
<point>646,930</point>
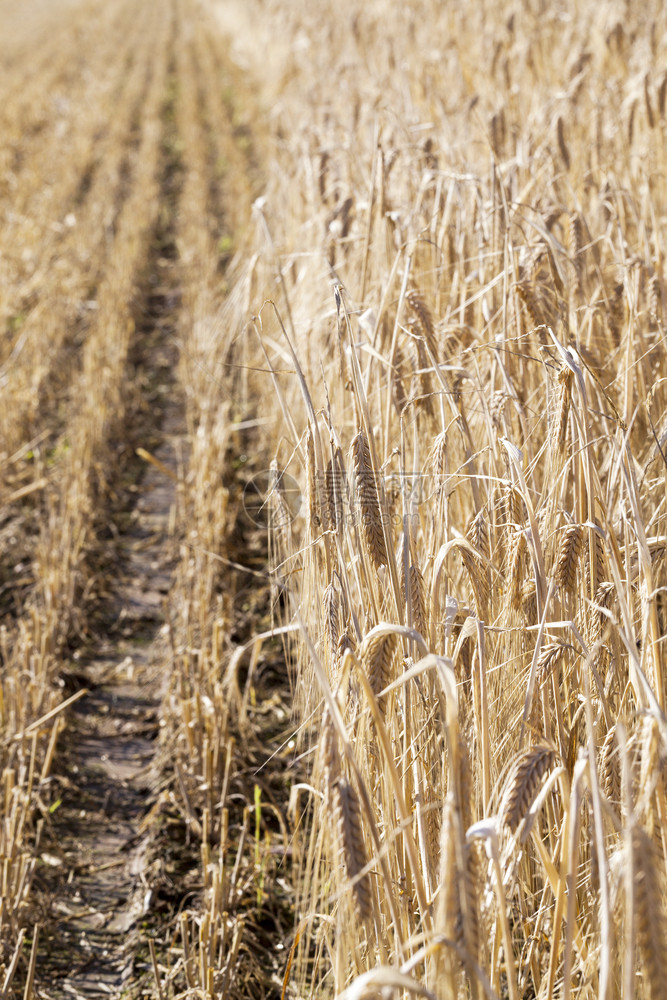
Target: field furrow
<point>103,878</point>
<point>97,842</point>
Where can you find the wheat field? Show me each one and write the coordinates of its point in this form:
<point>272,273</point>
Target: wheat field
<point>334,499</point>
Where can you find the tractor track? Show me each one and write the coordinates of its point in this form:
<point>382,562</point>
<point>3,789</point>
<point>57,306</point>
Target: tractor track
<point>96,880</point>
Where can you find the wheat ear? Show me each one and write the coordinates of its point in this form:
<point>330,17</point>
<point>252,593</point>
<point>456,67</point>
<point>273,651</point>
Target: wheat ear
<point>524,782</point>
<point>417,601</point>
<point>567,558</point>
<point>549,657</point>
<point>565,377</point>
<point>347,811</point>
<point>369,503</point>
<point>649,900</point>
<point>377,658</point>
<point>331,615</point>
